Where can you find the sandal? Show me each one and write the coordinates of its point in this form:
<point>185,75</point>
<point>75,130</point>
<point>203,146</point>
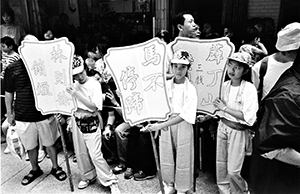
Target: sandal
<point>58,173</point>
<point>74,158</point>
<point>31,176</point>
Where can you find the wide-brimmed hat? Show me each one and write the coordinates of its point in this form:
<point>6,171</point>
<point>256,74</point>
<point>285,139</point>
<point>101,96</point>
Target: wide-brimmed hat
<point>78,64</point>
<point>242,57</point>
<point>182,57</point>
<point>289,37</point>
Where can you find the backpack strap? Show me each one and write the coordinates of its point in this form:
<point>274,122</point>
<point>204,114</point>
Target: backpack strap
<point>262,72</point>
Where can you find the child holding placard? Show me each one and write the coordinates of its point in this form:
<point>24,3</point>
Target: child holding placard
<point>177,137</point>
<point>238,106</point>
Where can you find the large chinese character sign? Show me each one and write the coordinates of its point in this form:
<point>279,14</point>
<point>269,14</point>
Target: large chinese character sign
<point>49,65</point>
<point>208,70</point>
<point>138,71</point>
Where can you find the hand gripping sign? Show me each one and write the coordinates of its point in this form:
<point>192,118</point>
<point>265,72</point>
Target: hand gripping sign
<point>49,65</point>
<point>207,72</point>
<point>138,71</point>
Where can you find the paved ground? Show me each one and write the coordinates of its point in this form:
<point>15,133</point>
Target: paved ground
<point>14,169</point>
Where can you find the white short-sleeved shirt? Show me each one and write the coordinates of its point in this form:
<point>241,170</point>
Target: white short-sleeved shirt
<point>183,99</point>
<point>274,71</point>
<point>91,90</point>
<point>242,98</point>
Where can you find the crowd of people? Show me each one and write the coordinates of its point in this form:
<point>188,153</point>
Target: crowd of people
<point>260,98</point>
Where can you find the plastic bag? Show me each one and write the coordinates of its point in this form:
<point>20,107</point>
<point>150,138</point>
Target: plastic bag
<point>14,143</point>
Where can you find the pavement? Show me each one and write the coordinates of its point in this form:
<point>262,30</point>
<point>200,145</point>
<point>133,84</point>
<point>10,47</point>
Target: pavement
<point>14,169</point>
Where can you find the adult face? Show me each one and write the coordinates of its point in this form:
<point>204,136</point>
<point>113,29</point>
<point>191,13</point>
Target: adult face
<point>189,27</point>
<point>196,33</point>
<point>6,18</point>
<point>48,35</point>
<point>207,28</point>
<point>227,33</point>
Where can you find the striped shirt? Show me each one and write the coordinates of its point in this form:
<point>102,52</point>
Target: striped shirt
<point>17,81</point>
<point>8,59</point>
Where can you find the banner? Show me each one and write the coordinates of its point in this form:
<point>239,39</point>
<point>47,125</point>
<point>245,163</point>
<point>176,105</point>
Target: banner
<point>207,72</point>
<point>49,65</point>
<point>138,71</point>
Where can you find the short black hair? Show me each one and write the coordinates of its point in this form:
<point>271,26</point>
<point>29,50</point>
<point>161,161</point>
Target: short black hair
<point>165,35</point>
<point>178,19</point>
<point>7,41</point>
<point>251,34</point>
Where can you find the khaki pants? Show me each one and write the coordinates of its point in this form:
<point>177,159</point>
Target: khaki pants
<point>90,159</point>
<point>231,146</point>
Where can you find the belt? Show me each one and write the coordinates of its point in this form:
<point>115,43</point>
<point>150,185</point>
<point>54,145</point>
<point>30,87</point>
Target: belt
<point>235,125</point>
<point>88,125</point>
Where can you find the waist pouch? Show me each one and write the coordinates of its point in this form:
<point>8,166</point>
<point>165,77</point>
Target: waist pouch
<point>88,125</point>
<point>235,125</point>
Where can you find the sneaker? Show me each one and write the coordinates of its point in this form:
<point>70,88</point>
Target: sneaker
<point>168,190</point>
<point>6,150</point>
<point>26,156</point>
<point>74,159</point>
<point>119,169</point>
<point>41,156</point>
<point>141,176</point>
<point>114,188</point>
<point>128,173</point>
<point>84,183</point>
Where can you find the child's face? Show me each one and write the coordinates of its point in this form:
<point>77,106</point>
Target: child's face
<point>90,63</point>
<point>235,70</point>
<point>5,48</point>
<point>179,71</point>
<point>80,77</point>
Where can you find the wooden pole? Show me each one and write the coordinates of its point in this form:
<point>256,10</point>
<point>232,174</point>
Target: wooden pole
<point>196,152</point>
<point>157,164</point>
<point>66,157</point>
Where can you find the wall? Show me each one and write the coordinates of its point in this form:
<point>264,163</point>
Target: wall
<point>72,12</point>
<point>161,17</point>
<point>264,8</point>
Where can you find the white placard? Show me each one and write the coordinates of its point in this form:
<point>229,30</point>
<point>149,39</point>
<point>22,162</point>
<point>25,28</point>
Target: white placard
<point>208,69</point>
<point>138,71</point>
<point>49,65</point>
